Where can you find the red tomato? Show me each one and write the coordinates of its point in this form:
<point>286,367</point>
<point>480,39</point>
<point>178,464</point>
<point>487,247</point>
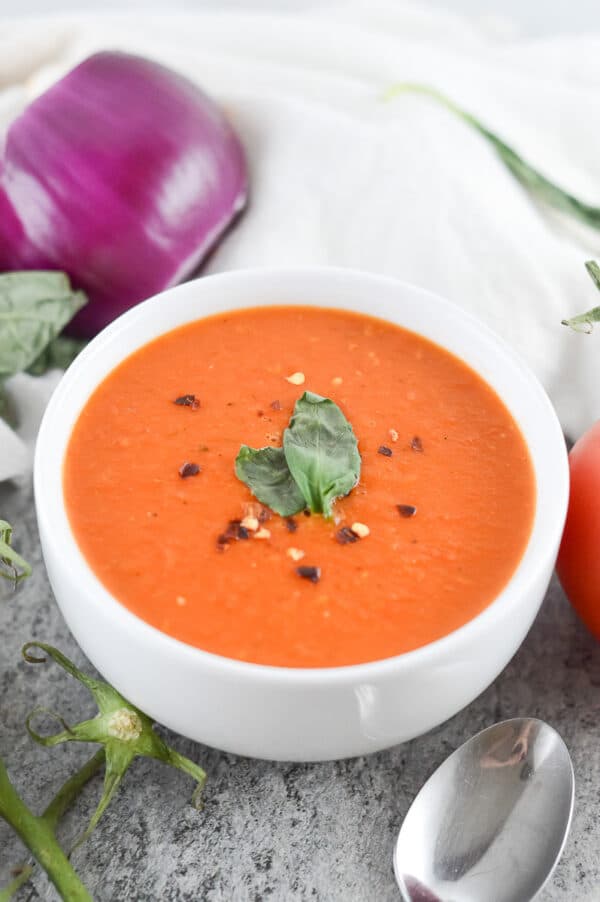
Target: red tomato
<point>578,563</point>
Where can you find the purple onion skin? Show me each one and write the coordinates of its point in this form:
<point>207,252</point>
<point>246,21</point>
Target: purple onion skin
<point>124,175</point>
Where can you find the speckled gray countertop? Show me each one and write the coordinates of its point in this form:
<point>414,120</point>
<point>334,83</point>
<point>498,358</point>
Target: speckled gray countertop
<point>276,831</point>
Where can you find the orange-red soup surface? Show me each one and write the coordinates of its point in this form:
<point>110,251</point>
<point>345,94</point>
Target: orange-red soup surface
<point>151,536</point>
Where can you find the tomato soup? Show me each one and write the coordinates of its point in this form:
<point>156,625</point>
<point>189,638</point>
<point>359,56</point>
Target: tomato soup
<point>441,515</point>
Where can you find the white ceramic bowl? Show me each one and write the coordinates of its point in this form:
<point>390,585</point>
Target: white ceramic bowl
<point>289,713</point>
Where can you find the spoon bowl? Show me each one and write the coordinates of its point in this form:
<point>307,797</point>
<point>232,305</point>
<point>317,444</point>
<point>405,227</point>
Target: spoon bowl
<point>491,823</point>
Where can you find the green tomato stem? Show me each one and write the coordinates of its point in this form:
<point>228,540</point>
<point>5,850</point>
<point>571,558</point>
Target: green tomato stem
<point>20,880</point>
<point>37,833</point>
<point>70,790</point>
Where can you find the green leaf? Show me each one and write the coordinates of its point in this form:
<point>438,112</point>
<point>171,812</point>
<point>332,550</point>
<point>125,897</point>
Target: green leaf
<point>318,463</point>
<point>6,413</point>
<point>584,322</point>
<point>58,355</point>
<point>321,452</point>
<point>34,308</point>
<point>12,565</point>
<point>528,175</point>
<point>267,475</point>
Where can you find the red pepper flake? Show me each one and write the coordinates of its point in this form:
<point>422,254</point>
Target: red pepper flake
<point>383,449</point>
<point>231,529</point>
<point>188,469</point>
<point>264,514</point>
<point>290,524</point>
<point>416,444</point>
<point>260,413</point>
<point>275,405</point>
<point>406,510</point>
<point>312,574</point>
<point>345,536</point>
<point>235,530</point>
<point>306,512</point>
<point>187,401</point>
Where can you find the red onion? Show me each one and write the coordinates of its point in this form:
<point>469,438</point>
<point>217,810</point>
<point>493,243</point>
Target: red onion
<point>123,174</point>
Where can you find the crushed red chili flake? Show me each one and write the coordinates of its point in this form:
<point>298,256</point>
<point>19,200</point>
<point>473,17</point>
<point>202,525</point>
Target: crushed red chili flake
<point>188,469</point>
<point>406,510</point>
<point>306,512</point>
<point>233,532</point>
<point>345,536</point>
<point>187,401</point>
<point>290,524</point>
<point>232,528</point>
<point>264,515</point>
<point>260,413</point>
<point>383,449</point>
<point>275,405</point>
<point>416,444</point>
<point>313,574</point>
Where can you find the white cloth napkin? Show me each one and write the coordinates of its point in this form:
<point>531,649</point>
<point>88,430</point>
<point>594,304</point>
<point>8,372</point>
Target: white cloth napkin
<point>404,188</point>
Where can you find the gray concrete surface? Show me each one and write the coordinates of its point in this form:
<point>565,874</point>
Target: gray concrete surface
<point>277,831</point>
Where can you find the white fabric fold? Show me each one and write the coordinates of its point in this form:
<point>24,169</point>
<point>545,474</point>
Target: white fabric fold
<point>340,176</point>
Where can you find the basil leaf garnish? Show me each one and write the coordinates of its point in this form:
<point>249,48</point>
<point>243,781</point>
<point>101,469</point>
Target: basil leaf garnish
<point>318,463</point>
<point>321,451</point>
<point>267,475</point>
<point>34,308</point>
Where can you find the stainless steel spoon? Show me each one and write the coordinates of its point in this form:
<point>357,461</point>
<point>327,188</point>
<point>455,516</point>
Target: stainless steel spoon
<point>491,823</point>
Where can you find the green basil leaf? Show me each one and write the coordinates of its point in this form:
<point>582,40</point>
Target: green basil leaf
<point>530,177</point>
<point>34,308</point>
<point>266,473</point>
<point>584,322</point>
<point>6,412</point>
<point>321,452</point>
<point>58,355</point>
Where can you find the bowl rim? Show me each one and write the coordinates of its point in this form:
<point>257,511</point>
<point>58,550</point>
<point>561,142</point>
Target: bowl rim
<point>526,573</point>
